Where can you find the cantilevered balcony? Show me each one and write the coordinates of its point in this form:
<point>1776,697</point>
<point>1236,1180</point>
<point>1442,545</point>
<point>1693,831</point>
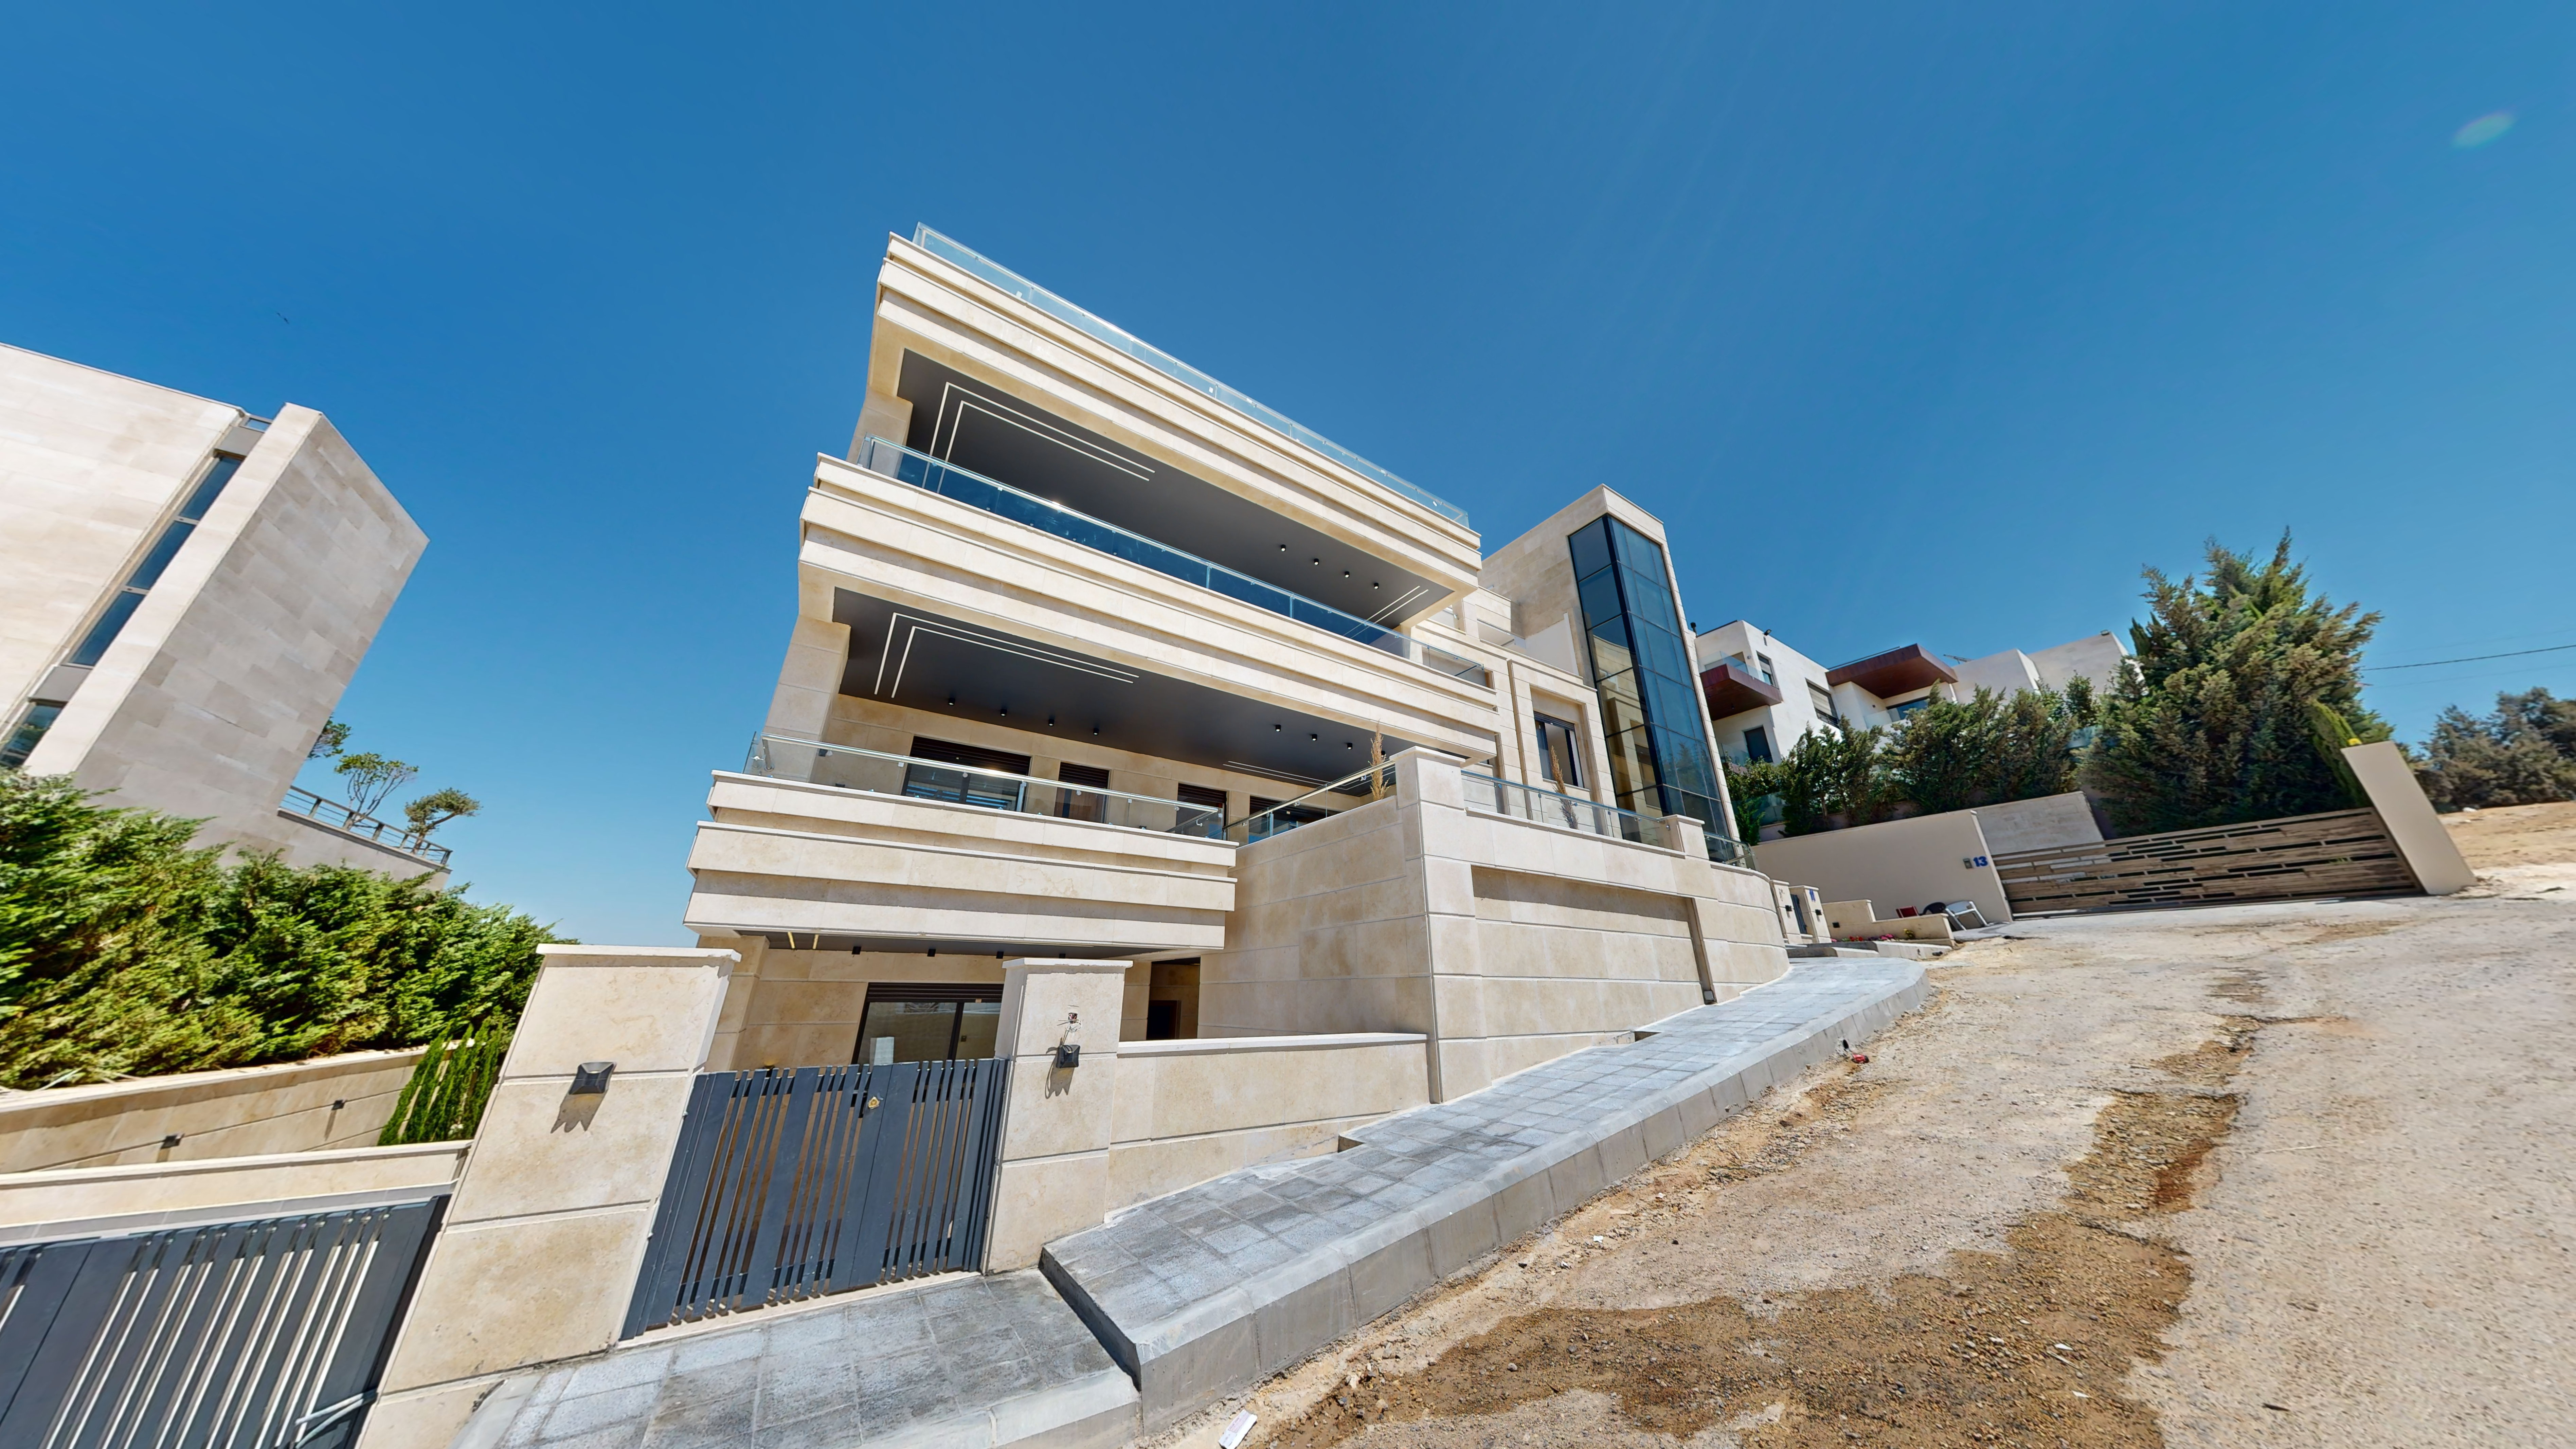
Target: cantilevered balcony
<point>1732,687</point>
<point>850,768</point>
<point>817,846</point>
<point>892,460</point>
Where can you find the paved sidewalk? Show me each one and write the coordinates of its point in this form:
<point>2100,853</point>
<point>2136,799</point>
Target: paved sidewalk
<point>1214,1286</point>
<point>959,1361</point>
<point>1211,1288</point>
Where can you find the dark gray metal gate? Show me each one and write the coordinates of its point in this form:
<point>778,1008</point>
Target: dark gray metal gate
<point>789,1184</point>
<point>248,1335</point>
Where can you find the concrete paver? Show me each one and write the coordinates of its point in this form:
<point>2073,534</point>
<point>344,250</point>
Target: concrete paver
<point>1215,1286</point>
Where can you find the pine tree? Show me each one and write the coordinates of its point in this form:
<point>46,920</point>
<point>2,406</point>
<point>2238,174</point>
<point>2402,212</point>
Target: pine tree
<point>2214,723</point>
<point>2523,754</point>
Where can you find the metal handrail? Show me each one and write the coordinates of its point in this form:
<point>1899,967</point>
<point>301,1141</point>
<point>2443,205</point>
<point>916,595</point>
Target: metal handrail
<point>359,823</point>
<point>1173,368</point>
<point>906,465</point>
<point>1188,819</point>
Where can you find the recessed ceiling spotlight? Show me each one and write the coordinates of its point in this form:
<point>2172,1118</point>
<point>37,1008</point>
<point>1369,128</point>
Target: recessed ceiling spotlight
<point>1283,548</point>
<point>1314,737</point>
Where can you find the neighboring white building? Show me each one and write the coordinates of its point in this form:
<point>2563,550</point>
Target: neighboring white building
<point>1763,696</point>
<point>1096,657</point>
<point>190,589</point>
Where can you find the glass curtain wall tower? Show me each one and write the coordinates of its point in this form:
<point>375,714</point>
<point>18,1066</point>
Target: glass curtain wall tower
<point>1659,760</point>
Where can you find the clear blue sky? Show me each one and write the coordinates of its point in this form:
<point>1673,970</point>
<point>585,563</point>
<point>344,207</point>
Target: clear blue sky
<point>1913,322</point>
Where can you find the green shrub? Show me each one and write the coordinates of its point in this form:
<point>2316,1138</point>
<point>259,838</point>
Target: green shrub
<point>126,951</point>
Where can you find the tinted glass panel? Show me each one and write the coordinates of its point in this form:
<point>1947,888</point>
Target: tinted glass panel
<point>1618,713</point>
<point>1600,600</point>
<point>216,477</point>
<point>103,633</point>
<point>1648,599</point>
<point>1636,550</point>
<point>979,1026</point>
<point>1659,651</point>
<point>909,1031</point>
<point>1591,548</point>
<point>148,572</point>
<point>1670,704</point>
<point>1631,767</point>
<point>1680,764</point>
<point>1610,653</point>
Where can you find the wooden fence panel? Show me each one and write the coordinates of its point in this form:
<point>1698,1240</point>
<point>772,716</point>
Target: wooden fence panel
<point>2340,853</point>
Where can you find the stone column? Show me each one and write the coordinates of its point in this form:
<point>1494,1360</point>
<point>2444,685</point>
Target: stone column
<point>537,1257</point>
<point>1433,802</point>
<point>2419,834</point>
<point>1056,1132</point>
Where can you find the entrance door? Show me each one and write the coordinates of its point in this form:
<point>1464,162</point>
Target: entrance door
<point>916,1022</point>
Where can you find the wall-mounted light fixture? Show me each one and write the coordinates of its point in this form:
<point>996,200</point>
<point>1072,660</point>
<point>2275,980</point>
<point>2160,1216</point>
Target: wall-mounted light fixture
<point>590,1079</point>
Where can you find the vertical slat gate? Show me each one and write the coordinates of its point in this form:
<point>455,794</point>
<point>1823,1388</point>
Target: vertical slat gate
<point>792,1183</point>
<point>250,1335</point>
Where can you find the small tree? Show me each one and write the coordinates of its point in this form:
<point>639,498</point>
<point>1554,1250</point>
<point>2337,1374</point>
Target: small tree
<point>2214,723</point>
<point>1753,789</point>
<point>1943,756</point>
<point>1831,772</point>
<point>435,809</point>
<point>2523,754</point>
<point>370,778</point>
<point>334,738</point>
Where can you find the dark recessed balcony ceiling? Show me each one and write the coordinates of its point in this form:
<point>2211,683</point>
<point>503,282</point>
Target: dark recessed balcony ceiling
<point>983,429</point>
<point>945,666</point>
<point>1898,671</point>
<point>1733,689</point>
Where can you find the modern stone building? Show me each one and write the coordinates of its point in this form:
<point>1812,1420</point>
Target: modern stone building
<point>190,589</point>
<point>1764,696</point>
<point>1098,658</point>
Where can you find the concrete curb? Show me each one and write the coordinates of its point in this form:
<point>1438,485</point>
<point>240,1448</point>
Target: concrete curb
<point>1272,1319</point>
<point>1095,1412</point>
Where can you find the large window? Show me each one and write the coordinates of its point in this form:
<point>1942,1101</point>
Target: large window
<point>1659,759</point>
<point>905,1022</point>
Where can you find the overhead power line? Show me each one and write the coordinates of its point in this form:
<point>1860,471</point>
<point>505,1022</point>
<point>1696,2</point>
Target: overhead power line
<point>2473,658</point>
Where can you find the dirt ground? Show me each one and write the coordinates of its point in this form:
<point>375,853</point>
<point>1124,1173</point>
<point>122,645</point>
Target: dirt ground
<point>2261,1175</point>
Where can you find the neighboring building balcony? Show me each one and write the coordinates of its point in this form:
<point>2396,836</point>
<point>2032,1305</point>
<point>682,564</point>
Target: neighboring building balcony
<point>1733,687</point>
<point>817,846</point>
<point>892,460</point>
<point>303,805</point>
<point>1898,671</point>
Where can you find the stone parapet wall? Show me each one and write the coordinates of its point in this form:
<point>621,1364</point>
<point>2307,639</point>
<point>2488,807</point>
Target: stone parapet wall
<point>326,1103</point>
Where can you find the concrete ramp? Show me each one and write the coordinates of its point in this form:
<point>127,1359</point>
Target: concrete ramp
<point>1214,1287</point>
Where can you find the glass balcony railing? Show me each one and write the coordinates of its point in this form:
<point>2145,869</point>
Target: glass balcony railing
<point>1173,368</point>
<point>848,768</point>
<point>1374,781</point>
<point>1573,812</point>
<point>893,460</point>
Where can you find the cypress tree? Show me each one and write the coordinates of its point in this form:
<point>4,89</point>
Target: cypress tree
<point>125,951</point>
<point>2214,723</point>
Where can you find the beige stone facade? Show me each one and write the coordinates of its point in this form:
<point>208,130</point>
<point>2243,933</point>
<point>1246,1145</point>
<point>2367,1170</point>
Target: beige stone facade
<point>1097,660</point>
<point>191,589</point>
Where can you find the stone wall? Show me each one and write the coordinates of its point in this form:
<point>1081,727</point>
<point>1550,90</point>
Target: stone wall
<point>330,1102</point>
<point>210,697</point>
<point>1506,943</point>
